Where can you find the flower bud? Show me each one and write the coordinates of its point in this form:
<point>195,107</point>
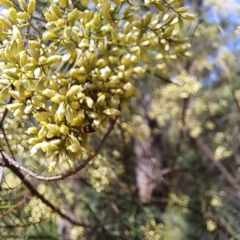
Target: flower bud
<point>31,6</point>
<point>49,92</point>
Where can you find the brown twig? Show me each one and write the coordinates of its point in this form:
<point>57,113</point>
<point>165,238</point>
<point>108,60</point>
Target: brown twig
<point>194,27</point>
<point>5,113</point>
<point>209,153</point>
<point>35,193</point>
<point>17,205</point>
<point>3,130</point>
<point>166,171</point>
<point>227,77</point>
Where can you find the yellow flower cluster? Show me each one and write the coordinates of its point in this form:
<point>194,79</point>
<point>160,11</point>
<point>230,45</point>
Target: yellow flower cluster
<point>38,211</point>
<point>221,152</point>
<point>10,181</point>
<point>211,225</point>
<point>166,99</point>
<point>101,173</point>
<point>76,233</point>
<point>153,231</point>
<point>79,73</point>
<point>180,201</point>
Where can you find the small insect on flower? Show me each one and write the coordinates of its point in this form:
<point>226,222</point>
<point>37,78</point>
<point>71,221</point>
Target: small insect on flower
<point>41,114</point>
<point>39,109</point>
<point>90,128</point>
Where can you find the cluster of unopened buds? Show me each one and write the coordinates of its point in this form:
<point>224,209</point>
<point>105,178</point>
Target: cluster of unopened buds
<point>82,69</point>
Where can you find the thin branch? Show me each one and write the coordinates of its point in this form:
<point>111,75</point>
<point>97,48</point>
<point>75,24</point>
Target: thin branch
<point>5,113</point>
<point>35,193</point>
<point>11,162</point>
<point>209,153</point>
<point>17,205</point>
<point>8,226</point>
<point>167,80</point>
<point>39,19</point>
<point>8,144</point>
<point>3,130</point>
<point>166,171</point>
<point>228,80</point>
<point>39,33</point>
<point>194,27</point>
